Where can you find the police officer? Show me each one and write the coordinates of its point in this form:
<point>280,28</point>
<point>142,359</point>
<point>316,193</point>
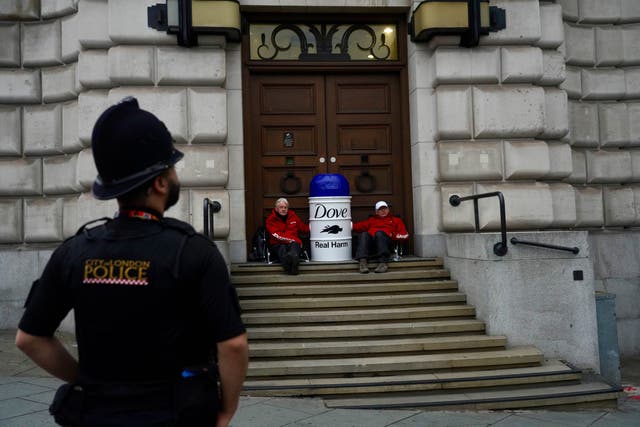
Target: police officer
<point>157,319</point>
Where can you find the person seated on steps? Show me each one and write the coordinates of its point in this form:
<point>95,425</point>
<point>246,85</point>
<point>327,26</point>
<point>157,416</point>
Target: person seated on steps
<point>283,227</point>
<point>378,233</point>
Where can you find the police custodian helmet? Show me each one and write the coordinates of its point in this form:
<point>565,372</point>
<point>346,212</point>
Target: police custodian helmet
<point>130,147</point>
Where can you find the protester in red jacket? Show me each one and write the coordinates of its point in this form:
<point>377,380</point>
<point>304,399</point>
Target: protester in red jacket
<point>378,233</point>
<point>283,226</point>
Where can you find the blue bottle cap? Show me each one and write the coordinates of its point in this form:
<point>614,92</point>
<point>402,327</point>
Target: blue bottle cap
<point>328,185</point>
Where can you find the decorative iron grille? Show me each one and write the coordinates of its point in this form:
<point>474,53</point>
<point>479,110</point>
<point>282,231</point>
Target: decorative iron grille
<point>323,42</point>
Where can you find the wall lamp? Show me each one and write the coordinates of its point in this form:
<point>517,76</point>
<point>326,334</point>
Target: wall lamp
<point>189,18</point>
<point>468,18</point>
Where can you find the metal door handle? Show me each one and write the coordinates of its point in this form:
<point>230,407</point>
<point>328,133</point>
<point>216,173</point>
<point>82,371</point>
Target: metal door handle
<point>322,159</point>
<point>332,159</point>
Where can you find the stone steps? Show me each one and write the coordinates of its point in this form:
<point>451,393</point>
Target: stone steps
<point>247,291</point>
<point>403,339</point>
<point>551,371</point>
<point>315,349</point>
<point>322,302</point>
<point>421,363</point>
<point>405,264</point>
<point>319,278</point>
<point>351,331</point>
<point>376,314</point>
<point>512,398</point>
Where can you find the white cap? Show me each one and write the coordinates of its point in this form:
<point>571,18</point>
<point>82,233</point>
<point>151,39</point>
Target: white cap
<point>381,204</point>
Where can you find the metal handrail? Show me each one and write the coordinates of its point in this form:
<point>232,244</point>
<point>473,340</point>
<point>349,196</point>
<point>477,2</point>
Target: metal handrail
<point>574,249</point>
<point>209,208</point>
<point>499,248</point>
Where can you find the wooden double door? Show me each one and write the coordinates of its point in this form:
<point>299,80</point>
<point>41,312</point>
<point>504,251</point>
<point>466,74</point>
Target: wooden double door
<point>301,125</point>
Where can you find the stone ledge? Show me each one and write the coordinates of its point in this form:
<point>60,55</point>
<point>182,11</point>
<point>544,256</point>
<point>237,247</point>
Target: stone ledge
<point>42,129</point>
<point>20,86</point>
<point>526,160</point>
<point>20,177</point>
<point>42,220</point>
<point>54,9</point>
<point>619,206</point>
<point>589,209</point>
<point>11,224</point>
<point>59,84</point>
<point>11,135</point>
<point>608,167</point>
<point>507,111</point>
<point>41,44</point>
<point>470,160</point>
<point>580,45</point>
<point>453,111</point>
<point>10,48</point>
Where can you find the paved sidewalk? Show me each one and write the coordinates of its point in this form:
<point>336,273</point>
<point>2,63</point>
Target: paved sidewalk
<point>26,391</point>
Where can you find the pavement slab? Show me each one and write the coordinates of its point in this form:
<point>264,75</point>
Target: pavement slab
<point>26,391</point>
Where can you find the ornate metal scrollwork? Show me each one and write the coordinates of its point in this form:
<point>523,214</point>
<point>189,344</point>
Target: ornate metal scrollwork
<point>344,45</point>
<point>304,46</point>
<point>324,46</point>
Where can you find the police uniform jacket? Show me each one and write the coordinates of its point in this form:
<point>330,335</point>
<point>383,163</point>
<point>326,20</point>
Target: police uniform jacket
<point>149,296</point>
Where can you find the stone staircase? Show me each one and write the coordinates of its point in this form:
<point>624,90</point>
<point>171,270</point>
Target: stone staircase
<point>402,339</point>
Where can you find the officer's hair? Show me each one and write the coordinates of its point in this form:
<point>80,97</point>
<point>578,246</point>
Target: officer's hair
<point>138,195</point>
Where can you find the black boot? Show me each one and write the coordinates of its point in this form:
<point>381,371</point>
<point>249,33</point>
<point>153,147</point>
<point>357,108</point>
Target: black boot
<point>295,261</point>
<point>286,263</point>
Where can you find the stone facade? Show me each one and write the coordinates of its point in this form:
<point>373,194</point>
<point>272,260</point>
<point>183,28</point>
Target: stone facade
<point>547,111</point>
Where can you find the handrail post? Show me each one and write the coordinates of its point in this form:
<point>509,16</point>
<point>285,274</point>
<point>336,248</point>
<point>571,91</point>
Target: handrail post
<point>499,248</point>
<point>502,249</point>
<point>476,215</point>
<point>209,208</point>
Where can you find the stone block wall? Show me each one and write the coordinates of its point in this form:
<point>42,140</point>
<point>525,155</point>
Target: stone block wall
<point>602,52</point>
<point>602,58</point>
<point>61,64</point>
<point>547,109</point>
<point>493,118</point>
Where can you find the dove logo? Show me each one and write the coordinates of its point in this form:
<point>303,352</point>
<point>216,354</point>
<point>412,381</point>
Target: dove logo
<point>322,212</point>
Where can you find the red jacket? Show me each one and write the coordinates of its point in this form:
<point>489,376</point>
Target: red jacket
<point>391,225</point>
<point>284,232</point>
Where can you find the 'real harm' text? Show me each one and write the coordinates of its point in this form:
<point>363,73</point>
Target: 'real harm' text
<point>328,245</point>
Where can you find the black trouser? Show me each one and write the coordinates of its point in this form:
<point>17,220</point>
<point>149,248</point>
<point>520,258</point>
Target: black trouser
<point>376,247</point>
<point>292,249</point>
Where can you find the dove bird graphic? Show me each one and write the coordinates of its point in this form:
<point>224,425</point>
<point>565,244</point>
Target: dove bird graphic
<point>332,229</point>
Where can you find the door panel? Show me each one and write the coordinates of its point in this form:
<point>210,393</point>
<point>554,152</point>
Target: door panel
<point>289,97</point>
<point>356,139</point>
<point>303,137</point>
<point>363,128</point>
<point>307,124</point>
<point>288,124</point>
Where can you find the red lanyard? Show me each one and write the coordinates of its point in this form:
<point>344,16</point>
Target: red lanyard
<point>132,213</point>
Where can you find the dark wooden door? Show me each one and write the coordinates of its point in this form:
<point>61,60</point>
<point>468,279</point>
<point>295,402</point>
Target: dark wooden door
<point>306,124</point>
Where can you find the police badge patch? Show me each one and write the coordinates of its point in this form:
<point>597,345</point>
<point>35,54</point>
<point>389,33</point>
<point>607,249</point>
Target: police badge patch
<point>116,272</point>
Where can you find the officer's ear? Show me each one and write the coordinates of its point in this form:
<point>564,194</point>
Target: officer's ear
<point>160,184</point>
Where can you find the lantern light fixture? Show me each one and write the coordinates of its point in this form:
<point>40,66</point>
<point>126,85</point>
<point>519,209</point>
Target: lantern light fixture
<point>189,18</point>
<point>468,18</point>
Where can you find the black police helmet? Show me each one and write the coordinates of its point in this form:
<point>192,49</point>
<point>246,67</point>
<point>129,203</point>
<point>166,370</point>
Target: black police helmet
<point>130,147</point>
